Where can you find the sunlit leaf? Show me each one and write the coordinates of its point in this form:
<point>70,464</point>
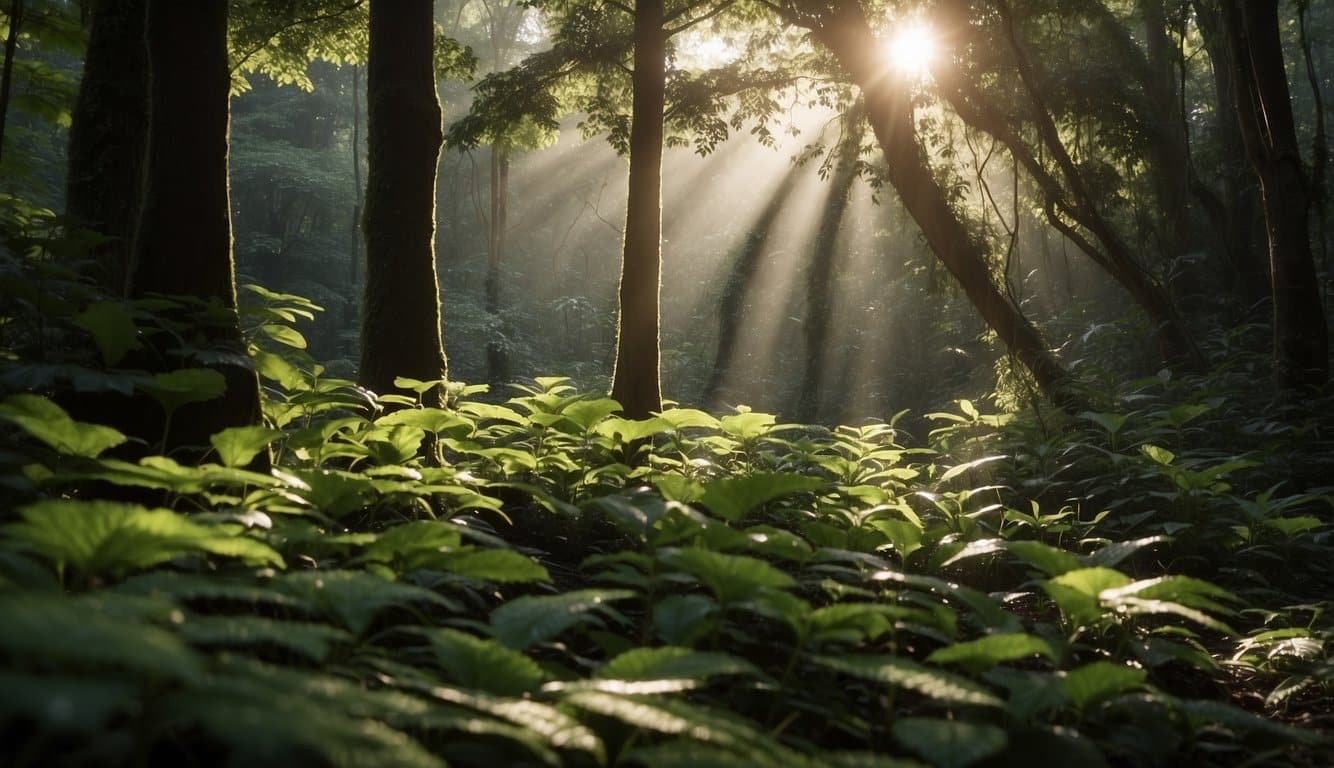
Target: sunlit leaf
<point>354,598</point>
<point>905,673</point>
<point>729,577</point>
<point>986,652</point>
<point>49,423</point>
<point>311,640</point>
<point>1100,680</point>
<point>483,663</point>
<point>674,662</point>
<point>499,565</point>
<point>731,498</point>
<point>238,446</point>
<point>112,327</point>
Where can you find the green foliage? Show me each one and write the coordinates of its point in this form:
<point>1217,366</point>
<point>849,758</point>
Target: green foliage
<point>543,582</point>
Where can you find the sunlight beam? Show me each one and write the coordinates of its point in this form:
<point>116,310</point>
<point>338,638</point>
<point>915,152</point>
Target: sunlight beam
<point>912,49</point>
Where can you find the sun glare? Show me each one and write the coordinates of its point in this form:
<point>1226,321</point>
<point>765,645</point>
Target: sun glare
<point>912,49</point>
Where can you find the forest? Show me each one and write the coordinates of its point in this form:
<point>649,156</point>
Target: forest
<point>666,383</point>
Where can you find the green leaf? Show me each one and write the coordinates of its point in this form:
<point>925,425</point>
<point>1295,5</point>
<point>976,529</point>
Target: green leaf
<point>586,413</point>
<point>427,419</point>
<point>527,620</point>
<point>187,385</point>
<point>78,634</point>
<point>747,425</point>
<point>107,537</point>
<point>1158,455</point>
<point>904,673</point>
<point>986,652</point>
<point>949,743</point>
<point>632,430</point>
<point>112,327</point>
<point>313,641</point>
<point>1291,526</point>
<point>685,418</point>
<point>960,469</point>
<point>732,498</point>
<point>503,566</point>
<point>1076,592</point>
<point>904,535</point>
<point>730,577</point>
<point>238,446</point>
<point>1100,680</point>
<point>483,663</point>
<point>682,619</point>
<point>1112,554</point>
<point>284,334</point>
<point>355,598</point>
<point>49,423</point>
<point>413,545</point>
<point>1110,422</point>
<point>276,368</point>
<point>674,662</point>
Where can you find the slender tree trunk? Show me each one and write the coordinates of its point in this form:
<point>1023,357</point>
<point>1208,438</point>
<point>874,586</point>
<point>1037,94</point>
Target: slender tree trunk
<point>1301,351</point>
<point>819,279</point>
<point>400,332</point>
<point>732,304</point>
<point>1319,141</point>
<point>183,243</point>
<point>108,135</point>
<point>1249,274</point>
<point>635,380</point>
<point>497,359</point>
<point>352,317</point>
<point>845,32</point>
<point>7,74</point>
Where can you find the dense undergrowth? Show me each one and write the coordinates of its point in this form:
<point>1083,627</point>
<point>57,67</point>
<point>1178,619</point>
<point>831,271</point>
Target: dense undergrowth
<point>536,581</point>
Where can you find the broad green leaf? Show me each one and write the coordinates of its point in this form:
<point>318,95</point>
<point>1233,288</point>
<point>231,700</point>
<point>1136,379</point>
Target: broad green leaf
<point>1291,526</point>
<point>632,430</point>
<point>731,498</point>
<point>949,743</point>
<point>1158,455</point>
<point>483,663</point>
<point>413,545</point>
<point>682,619</point>
<point>313,641</point>
<point>1044,557</point>
<point>206,588</point>
<point>1111,423</point>
<point>679,488</point>
<point>108,537</point>
<point>49,423</point>
<point>747,425</point>
<point>586,413</point>
<point>729,577</point>
<point>187,385</point>
<point>557,728</point>
<point>238,446</point>
<point>960,469</point>
<point>331,492</point>
<point>674,662</point>
<point>904,535</point>
<point>904,673</point>
<point>277,369</point>
<point>112,327</point>
<point>685,418</point>
<point>1076,592</point>
<point>986,652</point>
<point>1100,680</point>
<point>284,334</point>
<point>79,634</point>
<point>503,566</point>
<point>428,419</point>
<point>354,598</point>
<point>1111,555</point>
<point>525,621</point>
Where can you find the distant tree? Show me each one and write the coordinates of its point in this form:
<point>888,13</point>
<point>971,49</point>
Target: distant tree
<point>183,241</point>
<point>401,334</point>
<point>842,28</point>
<point>1264,112</point>
<point>108,135</point>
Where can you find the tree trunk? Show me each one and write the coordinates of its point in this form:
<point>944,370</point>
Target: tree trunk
<point>635,379</point>
<point>183,243</point>
<point>7,73</point>
<point>352,316</point>
<point>1264,109</point>
<point>400,332</point>
<point>819,279</point>
<point>497,359</point>
<point>732,303</point>
<point>108,136</point>
<point>845,32</point>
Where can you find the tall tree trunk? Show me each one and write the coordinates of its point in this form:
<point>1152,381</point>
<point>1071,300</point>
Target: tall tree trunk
<point>1168,149</point>
<point>732,304</point>
<point>400,332</point>
<point>352,316</point>
<point>819,279</point>
<point>1319,141</point>
<point>497,359</point>
<point>7,73</point>
<point>635,380</point>
<point>845,32</point>
<point>1249,273</point>
<point>108,135</point>
<point>1264,108</point>
<point>183,243</point>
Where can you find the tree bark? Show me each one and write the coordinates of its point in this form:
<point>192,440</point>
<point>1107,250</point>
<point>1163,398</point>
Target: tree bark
<point>108,136</point>
<point>352,316</point>
<point>819,279</point>
<point>635,380</point>
<point>401,334</point>
<point>7,73</point>
<point>1264,109</point>
<point>843,29</point>
<point>183,242</point>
